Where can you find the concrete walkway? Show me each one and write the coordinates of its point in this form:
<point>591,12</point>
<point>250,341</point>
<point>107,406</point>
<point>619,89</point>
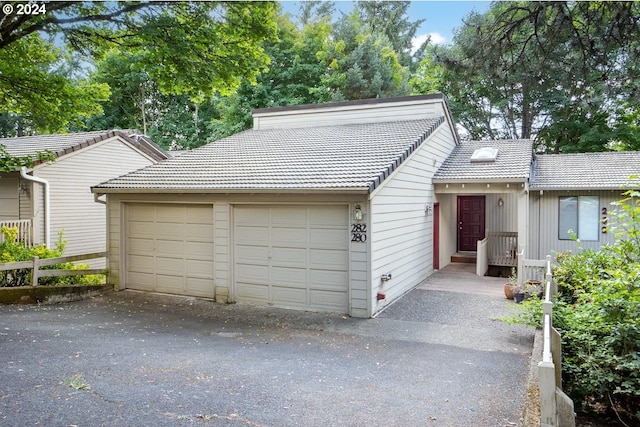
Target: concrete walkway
<point>434,358</point>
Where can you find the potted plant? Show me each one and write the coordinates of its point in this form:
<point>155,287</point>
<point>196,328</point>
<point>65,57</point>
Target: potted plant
<point>511,287</point>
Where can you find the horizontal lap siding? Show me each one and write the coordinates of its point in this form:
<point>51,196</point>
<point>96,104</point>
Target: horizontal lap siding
<point>401,231</point>
<point>73,208</point>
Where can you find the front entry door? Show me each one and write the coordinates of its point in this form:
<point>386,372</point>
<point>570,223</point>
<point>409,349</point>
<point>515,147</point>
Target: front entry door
<point>470,222</point>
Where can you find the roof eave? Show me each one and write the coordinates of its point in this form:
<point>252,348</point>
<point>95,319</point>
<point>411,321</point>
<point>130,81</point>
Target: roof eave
<point>343,190</point>
<point>478,181</point>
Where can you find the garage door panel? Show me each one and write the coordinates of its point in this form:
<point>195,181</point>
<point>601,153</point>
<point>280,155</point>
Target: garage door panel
<point>140,246</point>
<point>199,250</point>
<point>198,232</point>
<point>327,259</point>
<point>170,246</point>
<point>199,287</point>
<point>288,252</point>
<point>294,277</point>
<point>141,281</point>
<point>198,269</point>
<point>328,300</point>
<point>141,230</point>
<point>252,292</point>
<point>252,255</point>
<point>258,274</point>
<point>328,216</point>
<point>245,235</point>
<point>288,216</point>
<point>288,257</point>
<point>141,263</point>
<point>169,266</point>
<point>170,284</point>
<point>289,237</point>
<point>329,239</point>
<point>290,297</point>
<point>333,280</point>
<point>253,216</point>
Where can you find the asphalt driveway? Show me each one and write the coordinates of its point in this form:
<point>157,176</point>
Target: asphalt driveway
<point>435,358</point>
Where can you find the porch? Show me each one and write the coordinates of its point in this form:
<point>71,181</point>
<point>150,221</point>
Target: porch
<point>25,230</point>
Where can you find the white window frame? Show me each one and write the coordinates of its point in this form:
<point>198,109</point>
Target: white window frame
<point>584,218</point>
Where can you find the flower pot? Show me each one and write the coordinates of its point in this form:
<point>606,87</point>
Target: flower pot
<point>518,297</point>
<point>509,290</point>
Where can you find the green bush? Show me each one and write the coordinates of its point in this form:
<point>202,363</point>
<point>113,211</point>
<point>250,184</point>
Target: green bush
<point>11,250</point>
<point>597,312</point>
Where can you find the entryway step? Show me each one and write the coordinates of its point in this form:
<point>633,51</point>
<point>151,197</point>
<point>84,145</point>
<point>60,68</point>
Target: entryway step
<point>466,257</point>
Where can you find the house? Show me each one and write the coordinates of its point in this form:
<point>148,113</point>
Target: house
<point>335,207</point>
<point>55,196</point>
<point>323,207</point>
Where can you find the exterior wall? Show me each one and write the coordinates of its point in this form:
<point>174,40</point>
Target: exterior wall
<point>330,115</point>
<point>9,200</point>
<point>73,208</point>
<point>401,229</point>
<point>543,230</point>
<point>223,237</point>
<point>510,217</point>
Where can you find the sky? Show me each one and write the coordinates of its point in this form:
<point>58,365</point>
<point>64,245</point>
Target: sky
<point>441,17</point>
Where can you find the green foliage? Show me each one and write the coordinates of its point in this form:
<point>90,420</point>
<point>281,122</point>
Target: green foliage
<point>597,312</point>
<point>12,250</point>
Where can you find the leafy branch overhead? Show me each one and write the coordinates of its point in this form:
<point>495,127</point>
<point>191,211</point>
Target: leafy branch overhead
<point>191,48</point>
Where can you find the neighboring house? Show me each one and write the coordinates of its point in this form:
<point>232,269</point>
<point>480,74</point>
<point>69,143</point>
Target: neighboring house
<point>335,207</point>
<point>54,196</point>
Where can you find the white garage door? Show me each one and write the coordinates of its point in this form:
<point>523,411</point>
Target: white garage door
<point>292,256</point>
<point>169,248</point>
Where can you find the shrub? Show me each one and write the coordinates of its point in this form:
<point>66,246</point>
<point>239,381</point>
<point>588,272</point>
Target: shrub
<point>11,250</point>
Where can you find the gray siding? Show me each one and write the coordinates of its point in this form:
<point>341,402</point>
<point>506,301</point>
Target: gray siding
<point>9,201</point>
<point>73,209</point>
<point>543,227</point>
<point>401,230</point>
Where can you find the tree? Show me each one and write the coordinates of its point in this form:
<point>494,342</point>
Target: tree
<point>191,48</point>
<point>563,72</point>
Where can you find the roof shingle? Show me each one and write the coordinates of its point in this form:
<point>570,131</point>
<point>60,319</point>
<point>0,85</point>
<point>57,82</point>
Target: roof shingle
<point>513,162</point>
<point>346,157</point>
<point>607,170</point>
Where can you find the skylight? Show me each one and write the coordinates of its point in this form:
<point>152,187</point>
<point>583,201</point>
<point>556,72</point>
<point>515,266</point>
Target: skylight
<point>484,154</point>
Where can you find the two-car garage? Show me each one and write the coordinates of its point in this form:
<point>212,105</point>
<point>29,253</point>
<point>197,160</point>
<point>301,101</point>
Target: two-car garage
<point>293,256</point>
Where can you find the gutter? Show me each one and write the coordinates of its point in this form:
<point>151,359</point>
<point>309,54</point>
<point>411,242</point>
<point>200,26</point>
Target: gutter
<point>47,202</point>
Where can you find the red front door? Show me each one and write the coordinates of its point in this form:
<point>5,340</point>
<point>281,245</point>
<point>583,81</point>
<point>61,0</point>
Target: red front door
<point>470,222</point>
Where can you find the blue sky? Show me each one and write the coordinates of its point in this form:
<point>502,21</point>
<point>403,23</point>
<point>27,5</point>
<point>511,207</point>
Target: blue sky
<point>441,17</point>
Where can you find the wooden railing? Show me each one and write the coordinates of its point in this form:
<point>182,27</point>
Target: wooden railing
<point>36,263</point>
<point>25,230</point>
<point>503,248</point>
<point>556,408</point>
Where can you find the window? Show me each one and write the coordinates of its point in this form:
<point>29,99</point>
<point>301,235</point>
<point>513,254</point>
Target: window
<point>579,216</point>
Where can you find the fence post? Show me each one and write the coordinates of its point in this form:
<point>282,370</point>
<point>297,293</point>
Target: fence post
<point>34,272</point>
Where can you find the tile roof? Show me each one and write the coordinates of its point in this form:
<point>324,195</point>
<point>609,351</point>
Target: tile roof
<point>67,143</point>
<point>607,170</point>
<point>346,157</point>
<point>512,163</point>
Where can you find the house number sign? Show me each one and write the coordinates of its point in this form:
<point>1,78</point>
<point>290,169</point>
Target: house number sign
<point>359,232</point>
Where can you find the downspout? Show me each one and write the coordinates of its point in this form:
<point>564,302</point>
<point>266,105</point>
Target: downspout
<point>47,202</point>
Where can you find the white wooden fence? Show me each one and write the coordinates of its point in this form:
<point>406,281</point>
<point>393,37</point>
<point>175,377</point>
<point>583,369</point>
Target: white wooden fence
<point>556,408</point>
<point>25,230</point>
<point>36,263</point>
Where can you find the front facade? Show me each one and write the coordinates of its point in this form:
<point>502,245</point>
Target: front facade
<point>54,197</point>
<point>340,207</point>
<point>308,210</point>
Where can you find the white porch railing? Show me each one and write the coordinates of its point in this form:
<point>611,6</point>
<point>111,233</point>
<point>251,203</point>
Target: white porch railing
<point>503,248</point>
<point>556,408</point>
<point>25,230</point>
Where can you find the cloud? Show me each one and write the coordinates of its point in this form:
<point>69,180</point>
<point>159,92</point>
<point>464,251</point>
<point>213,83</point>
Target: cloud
<point>436,38</point>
